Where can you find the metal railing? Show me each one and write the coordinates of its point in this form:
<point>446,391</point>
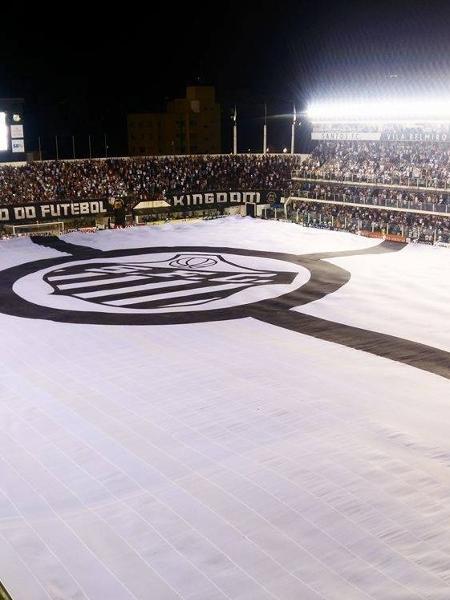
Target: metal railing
<point>431,183</point>
<point>437,208</point>
<point>361,226</point>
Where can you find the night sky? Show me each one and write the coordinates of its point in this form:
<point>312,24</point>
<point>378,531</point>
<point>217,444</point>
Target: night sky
<point>81,68</point>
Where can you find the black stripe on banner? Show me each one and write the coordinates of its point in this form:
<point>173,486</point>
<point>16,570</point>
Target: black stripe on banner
<point>52,241</point>
<point>206,297</point>
<point>86,280</point>
<point>384,345</point>
<point>162,289</point>
<point>3,593</point>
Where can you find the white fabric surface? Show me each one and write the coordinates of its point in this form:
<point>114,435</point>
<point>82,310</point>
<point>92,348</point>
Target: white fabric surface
<point>233,459</point>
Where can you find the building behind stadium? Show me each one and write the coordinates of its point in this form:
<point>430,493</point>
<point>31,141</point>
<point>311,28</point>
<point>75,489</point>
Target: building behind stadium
<point>190,125</point>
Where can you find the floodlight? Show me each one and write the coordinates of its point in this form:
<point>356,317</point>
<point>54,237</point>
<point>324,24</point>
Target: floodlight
<point>381,110</point>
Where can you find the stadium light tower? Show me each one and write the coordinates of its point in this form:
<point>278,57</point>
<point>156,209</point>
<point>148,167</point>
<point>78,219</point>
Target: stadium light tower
<point>235,131</point>
<point>265,129</point>
<point>294,120</point>
<point>385,109</point>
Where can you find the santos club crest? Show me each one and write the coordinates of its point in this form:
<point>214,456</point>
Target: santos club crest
<point>181,281</point>
<point>152,286</point>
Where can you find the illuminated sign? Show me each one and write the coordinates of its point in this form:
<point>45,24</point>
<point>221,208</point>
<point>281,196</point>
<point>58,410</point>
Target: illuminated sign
<point>3,132</point>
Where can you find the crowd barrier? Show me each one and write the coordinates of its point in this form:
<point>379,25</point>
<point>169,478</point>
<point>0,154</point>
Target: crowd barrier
<point>428,185</point>
<point>385,203</point>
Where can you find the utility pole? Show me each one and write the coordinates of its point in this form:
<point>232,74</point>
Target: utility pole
<point>294,121</point>
<point>235,131</point>
<point>265,130</point>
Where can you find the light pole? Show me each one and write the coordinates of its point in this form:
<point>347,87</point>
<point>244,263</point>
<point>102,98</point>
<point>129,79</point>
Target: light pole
<point>265,130</point>
<point>294,120</point>
<point>235,131</point>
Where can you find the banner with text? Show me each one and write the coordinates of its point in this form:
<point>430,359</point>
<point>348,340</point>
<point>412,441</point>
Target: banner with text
<point>52,211</point>
<point>56,211</point>
<point>207,199</point>
<point>346,136</point>
<point>414,135</point>
<point>386,133</point>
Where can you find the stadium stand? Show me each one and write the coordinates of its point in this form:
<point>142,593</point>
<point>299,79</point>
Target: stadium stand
<point>396,201</point>
<point>146,178</point>
<point>395,163</point>
<point>406,225</point>
<point>399,198</point>
<point>393,188</point>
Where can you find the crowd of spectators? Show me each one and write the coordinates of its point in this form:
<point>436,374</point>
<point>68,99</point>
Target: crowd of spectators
<point>145,178</point>
<point>156,177</point>
<point>423,228</point>
<point>398,198</point>
<point>424,164</point>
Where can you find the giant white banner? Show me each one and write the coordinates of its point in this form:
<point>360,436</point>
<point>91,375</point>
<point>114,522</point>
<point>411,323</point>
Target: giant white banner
<point>115,486</point>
